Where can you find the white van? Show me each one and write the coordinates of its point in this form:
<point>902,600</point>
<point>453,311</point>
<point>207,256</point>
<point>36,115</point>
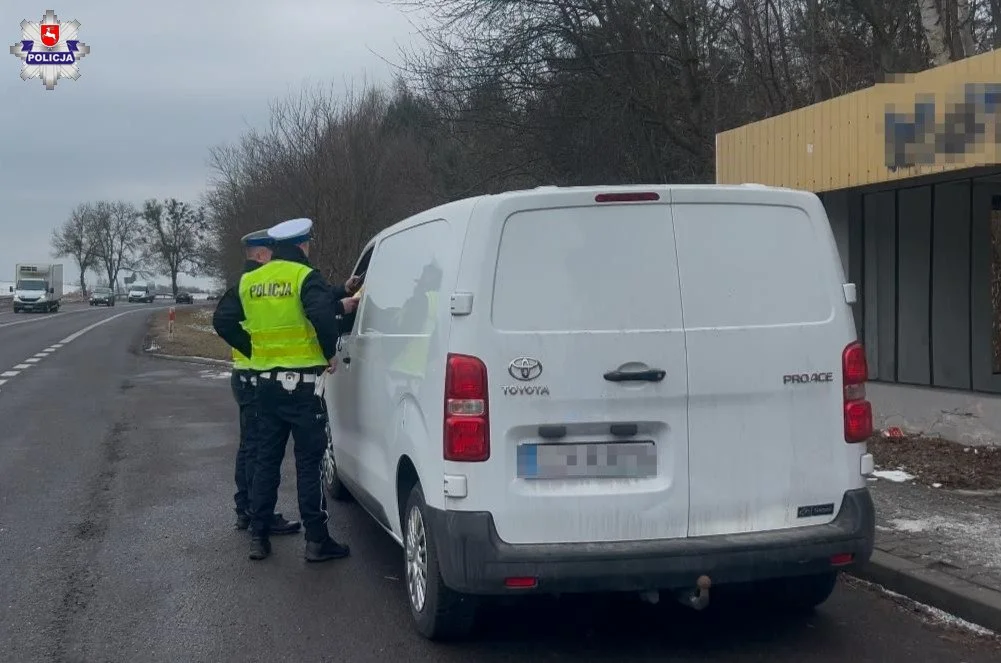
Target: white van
<point>647,389</point>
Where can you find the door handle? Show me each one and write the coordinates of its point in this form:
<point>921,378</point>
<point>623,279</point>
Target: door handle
<point>651,375</point>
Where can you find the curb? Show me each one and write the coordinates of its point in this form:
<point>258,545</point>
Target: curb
<point>974,603</point>
<point>191,360</point>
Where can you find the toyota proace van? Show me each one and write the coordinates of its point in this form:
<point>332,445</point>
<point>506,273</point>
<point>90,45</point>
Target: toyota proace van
<point>652,389</point>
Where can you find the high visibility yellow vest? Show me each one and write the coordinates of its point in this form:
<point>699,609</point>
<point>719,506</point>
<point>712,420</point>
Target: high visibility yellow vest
<point>413,359</point>
<point>240,362</point>
<point>281,335</point>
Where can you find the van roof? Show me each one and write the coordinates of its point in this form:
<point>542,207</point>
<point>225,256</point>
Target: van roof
<point>465,206</point>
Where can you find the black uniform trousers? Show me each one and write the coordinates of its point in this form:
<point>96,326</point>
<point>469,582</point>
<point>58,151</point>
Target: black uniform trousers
<point>243,393</point>
<point>303,414</point>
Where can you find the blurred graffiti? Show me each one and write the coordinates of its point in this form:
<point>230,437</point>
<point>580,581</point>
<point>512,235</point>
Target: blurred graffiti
<point>918,139</point>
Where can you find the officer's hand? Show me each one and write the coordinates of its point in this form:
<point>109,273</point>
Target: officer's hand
<point>349,304</point>
<point>352,284</point>
<point>333,365</point>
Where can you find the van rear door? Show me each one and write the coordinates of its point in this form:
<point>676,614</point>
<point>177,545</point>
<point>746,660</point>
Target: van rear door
<point>585,353</point>
<point>763,299</point>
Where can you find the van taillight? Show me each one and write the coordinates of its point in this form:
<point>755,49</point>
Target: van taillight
<point>630,197</point>
<point>467,425</point>
<point>857,410</point>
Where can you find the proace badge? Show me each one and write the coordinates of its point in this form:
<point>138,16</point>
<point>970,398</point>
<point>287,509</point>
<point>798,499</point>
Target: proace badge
<point>50,49</point>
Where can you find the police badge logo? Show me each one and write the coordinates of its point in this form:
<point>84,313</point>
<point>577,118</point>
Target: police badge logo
<point>50,50</point>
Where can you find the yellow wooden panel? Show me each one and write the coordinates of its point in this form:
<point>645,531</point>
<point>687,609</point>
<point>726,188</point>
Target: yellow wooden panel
<point>841,142</point>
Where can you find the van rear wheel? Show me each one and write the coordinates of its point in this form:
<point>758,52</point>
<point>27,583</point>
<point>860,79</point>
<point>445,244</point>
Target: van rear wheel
<point>801,593</point>
<point>439,613</point>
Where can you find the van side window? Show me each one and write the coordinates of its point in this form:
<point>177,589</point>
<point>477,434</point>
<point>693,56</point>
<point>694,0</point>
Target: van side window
<point>349,325</point>
<point>404,281</point>
<point>752,265</point>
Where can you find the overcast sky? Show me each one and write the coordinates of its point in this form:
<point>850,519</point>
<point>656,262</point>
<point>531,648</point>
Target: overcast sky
<point>164,82</point>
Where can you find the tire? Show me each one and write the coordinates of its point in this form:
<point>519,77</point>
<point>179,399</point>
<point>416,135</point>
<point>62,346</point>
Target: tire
<point>801,594</point>
<point>443,614</point>
<point>331,483</point>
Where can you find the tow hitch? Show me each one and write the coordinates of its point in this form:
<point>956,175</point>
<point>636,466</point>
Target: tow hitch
<point>697,598</point>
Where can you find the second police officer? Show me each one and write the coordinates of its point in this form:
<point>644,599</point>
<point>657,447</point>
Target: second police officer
<point>257,251</point>
<point>284,322</point>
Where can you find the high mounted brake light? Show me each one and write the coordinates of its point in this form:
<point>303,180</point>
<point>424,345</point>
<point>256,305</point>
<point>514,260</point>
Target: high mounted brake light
<point>630,197</point>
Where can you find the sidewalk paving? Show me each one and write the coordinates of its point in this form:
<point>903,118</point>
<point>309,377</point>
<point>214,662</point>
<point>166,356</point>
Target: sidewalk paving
<point>939,546</point>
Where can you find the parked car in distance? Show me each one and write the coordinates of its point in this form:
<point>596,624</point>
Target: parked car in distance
<point>704,426</point>
<point>183,298</point>
<point>102,297</point>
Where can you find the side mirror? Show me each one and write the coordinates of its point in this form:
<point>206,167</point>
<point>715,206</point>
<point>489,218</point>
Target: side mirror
<point>11,288</point>
<point>52,291</point>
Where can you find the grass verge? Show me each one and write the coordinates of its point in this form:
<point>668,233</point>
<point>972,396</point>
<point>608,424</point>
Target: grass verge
<point>193,335</point>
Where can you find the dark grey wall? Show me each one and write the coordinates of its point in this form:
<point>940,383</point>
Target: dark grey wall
<point>914,232</point>
<point>880,230</point>
<point>950,307</point>
<point>981,306</point>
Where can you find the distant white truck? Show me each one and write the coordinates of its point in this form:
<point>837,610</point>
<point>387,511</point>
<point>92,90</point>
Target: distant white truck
<point>139,292</point>
<point>37,287</point>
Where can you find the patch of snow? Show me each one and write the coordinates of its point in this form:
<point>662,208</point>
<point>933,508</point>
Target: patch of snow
<point>972,537</point>
<point>897,476</point>
<point>154,348</point>
<point>205,329</point>
<point>936,485</point>
<point>934,614</point>
<point>908,525</point>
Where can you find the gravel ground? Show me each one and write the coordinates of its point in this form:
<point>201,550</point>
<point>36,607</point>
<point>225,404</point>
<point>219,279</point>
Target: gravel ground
<point>937,461</point>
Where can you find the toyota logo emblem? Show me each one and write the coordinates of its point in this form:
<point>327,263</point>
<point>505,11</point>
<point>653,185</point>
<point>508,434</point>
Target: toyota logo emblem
<point>525,369</point>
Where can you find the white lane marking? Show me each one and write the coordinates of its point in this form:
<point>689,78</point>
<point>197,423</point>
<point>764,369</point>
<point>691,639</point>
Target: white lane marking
<point>42,317</point>
<point>75,335</point>
<point>69,339</point>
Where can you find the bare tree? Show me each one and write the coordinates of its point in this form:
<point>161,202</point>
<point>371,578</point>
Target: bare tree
<point>116,237</point>
<point>75,239</point>
<point>935,33</point>
<point>518,94</point>
<point>174,233</point>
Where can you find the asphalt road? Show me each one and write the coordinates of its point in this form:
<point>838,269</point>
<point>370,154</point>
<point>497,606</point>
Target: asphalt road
<point>116,544</point>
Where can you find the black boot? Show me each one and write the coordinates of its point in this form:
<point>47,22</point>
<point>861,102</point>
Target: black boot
<point>322,551</point>
<point>242,520</point>
<point>281,526</point>
<point>260,547</point>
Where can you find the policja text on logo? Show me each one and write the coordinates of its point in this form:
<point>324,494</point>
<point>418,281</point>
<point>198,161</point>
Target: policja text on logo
<point>50,49</point>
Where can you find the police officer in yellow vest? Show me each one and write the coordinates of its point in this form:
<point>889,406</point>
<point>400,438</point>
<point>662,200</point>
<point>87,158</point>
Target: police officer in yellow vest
<point>257,248</point>
<point>287,328</point>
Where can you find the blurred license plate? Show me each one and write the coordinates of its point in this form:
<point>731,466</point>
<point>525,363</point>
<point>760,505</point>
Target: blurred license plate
<point>601,460</point>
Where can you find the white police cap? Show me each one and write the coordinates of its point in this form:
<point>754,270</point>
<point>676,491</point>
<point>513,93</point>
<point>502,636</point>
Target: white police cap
<point>293,231</point>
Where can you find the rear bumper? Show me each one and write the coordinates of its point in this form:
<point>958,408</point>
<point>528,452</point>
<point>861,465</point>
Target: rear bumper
<point>474,560</point>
